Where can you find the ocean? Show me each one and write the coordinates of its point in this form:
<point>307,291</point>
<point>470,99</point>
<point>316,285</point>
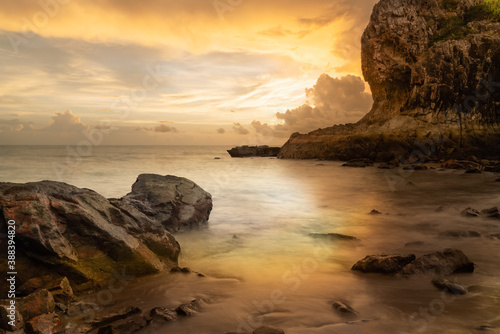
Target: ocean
<point>261,264</point>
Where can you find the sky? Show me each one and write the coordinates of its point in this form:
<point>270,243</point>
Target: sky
<point>190,72</point>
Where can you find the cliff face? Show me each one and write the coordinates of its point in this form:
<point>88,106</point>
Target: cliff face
<point>434,71</point>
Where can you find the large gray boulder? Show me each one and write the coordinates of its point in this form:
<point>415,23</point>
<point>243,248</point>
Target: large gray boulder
<point>77,233</point>
<point>177,203</point>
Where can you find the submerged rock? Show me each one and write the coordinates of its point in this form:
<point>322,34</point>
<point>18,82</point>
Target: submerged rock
<point>360,163</point>
<point>110,318</point>
<point>375,212</point>
<point>470,212</point>
<point>190,309</point>
<point>491,213</point>
<point>344,309</point>
<point>268,330</point>
<point>383,264</point>
<point>446,285</point>
<point>460,234</point>
<point>164,314</point>
<point>449,261</point>
<point>332,236</point>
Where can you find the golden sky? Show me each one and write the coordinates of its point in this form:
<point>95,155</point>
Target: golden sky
<point>178,72</point>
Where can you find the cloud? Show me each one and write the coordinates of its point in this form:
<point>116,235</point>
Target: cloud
<point>66,122</point>
<point>14,125</point>
<point>331,100</point>
<point>164,128</point>
<point>239,129</point>
<point>221,131</point>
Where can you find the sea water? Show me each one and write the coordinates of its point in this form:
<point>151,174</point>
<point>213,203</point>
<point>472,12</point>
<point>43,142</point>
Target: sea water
<point>262,266</point>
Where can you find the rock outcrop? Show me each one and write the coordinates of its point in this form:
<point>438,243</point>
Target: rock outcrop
<point>177,203</point>
<point>434,71</point>
<point>253,151</point>
<point>65,231</point>
<point>447,262</point>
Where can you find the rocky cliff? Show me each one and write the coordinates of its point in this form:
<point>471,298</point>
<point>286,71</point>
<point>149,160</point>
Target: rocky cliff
<point>434,70</point>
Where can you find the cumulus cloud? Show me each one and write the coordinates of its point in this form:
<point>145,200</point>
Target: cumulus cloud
<point>162,128</point>
<point>66,122</point>
<point>331,101</point>
<point>239,129</point>
<point>11,125</point>
<point>221,131</point>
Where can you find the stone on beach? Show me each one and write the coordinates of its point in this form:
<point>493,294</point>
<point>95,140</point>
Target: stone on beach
<point>384,264</point>
<point>447,286</point>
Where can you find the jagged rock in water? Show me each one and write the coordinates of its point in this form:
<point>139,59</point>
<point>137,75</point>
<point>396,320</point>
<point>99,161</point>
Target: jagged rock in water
<point>446,285</point>
<point>460,234</point>
<point>450,261</point>
<point>253,151</point>
<point>344,309</point>
<point>434,71</point>
<point>383,264</point>
<point>177,203</point>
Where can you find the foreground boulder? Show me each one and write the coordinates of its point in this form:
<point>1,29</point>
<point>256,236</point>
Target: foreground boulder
<point>449,261</point>
<point>76,233</point>
<point>177,203</point>
<point>44,324</point>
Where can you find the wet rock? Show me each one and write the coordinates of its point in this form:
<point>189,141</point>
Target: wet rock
<point>246,151</point>
<point>493,169</point>
<point>332,236</point>
<point>35,304</point>
<point>460,234</point>
<point>44,324</point>
<point>491,213</point>
<point>177,203</point>
<point>59,287</point>
<point>383,264</point>
<point>343,309</point>
<point>77,232</point>
<point>473,171</point>
<point>127,326</point>
<point>7,316</point>
<point>186,270</point>
<point>494,236</point>
<point>359,163</point>
<point>81,308</point>
<point>163,314</point>
<point>460,164</point>
<point>484,328</point>
<point>190,309</point>
<point>447,286</point>
<point>375,212</point>
<point>470,212</point>
<point>449,261</point>
<point>415,167</point>
<point>497,180</point>
<point>268,330</point>
<point>414,244</point>
<point>126,313</point>
<point>389,165</point>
